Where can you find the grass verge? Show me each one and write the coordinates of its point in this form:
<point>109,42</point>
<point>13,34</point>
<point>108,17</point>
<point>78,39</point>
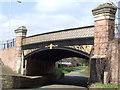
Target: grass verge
<point>100,85</point>
<point>84,72</point>
<point>66,70</point>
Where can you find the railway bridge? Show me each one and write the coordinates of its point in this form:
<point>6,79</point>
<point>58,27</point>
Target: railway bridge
<point>37,54</point>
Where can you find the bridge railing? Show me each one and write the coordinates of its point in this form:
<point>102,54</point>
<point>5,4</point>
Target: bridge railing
<point>8,44</point>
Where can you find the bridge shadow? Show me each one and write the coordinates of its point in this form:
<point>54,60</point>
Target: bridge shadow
<point>67,81</point>
<point>80,81</point>
<point>73,80</point>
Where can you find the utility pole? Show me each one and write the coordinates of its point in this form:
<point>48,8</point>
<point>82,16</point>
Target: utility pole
<point>119,18</point>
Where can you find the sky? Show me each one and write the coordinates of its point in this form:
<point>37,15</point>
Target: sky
<point>41,16</point>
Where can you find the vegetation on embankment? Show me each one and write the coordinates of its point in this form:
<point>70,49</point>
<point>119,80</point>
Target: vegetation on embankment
<point>100,85</point>
<point>84,72</point>
<point>66,70</point>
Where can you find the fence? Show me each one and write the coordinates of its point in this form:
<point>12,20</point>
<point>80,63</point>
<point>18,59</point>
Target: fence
<point>8,44</point>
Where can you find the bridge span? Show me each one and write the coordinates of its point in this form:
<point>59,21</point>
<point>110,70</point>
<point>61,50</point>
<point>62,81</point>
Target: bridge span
<point>50,47</point>
<point>76,38</point>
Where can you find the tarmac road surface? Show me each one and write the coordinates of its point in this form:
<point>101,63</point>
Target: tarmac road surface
<point>71,80</point>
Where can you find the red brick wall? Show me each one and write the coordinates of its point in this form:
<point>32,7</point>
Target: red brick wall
<point>104,32</point>
<point>18,46</point>
<point>8,57</point>
<point>12,57</point>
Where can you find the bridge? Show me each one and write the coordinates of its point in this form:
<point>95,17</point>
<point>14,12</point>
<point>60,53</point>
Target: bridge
<point>64,39</point>
<point>37,54</point>
<point>54,46</point>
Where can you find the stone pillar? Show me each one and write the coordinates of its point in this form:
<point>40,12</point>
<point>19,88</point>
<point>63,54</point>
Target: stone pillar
<point>104,18</point>
<point>20,34</point>
<point>104,22</point>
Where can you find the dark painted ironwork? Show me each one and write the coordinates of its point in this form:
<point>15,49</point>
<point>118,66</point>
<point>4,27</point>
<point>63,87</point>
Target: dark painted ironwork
<point>77,53</point>
<point>61,43</point>
<point>80,39</point>
<point>8,44</point>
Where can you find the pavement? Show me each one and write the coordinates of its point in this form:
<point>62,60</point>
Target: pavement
<point>71,80</point>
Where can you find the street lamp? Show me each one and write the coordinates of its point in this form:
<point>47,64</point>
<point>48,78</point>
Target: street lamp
<point>19,1</point>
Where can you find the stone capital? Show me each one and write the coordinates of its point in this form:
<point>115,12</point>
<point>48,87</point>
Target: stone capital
<point>104,11</point>
<point>21,31</point>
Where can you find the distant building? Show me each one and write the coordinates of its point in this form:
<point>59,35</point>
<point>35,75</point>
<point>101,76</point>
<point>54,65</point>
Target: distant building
<point>64,64</point>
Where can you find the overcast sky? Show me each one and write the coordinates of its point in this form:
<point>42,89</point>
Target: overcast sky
<point>40,16</point>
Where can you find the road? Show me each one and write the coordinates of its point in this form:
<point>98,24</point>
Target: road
<point>71,80</point>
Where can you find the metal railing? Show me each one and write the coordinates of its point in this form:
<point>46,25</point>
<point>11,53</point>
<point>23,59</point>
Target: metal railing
<point>8,44</point>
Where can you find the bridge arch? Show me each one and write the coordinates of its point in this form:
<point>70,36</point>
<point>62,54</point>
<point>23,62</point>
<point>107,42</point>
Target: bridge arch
<point>42,61</point>
<point>56,54</point>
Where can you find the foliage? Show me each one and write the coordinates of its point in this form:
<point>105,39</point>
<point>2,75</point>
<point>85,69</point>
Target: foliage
<point>69,69</point>
<point>100,85</point>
